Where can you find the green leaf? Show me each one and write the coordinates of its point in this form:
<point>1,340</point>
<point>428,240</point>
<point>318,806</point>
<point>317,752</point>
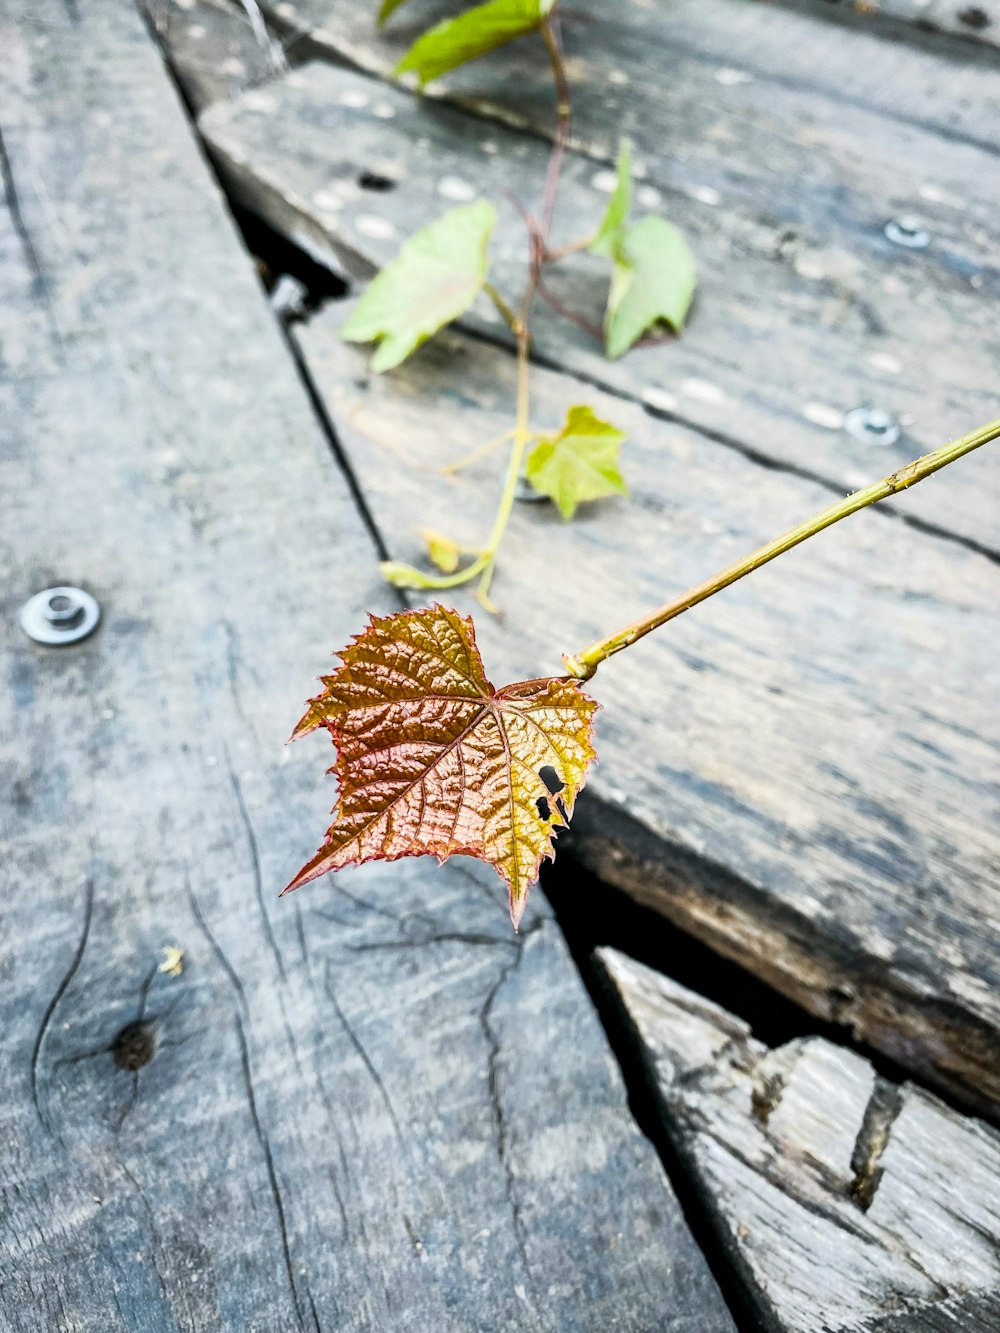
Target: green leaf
<point>580,463</point>
<point>653,283</point>
<point>443,552</point>
<point>455,41</point>
<point>609,233</point>
<point>434,279</point>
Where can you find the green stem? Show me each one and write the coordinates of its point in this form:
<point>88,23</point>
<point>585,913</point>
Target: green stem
<point>483,451</point>
<point>510,319</point>
<point>404,576</point>
<point>583,665</point>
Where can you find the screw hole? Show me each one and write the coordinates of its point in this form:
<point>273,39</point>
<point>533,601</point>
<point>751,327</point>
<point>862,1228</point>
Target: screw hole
<point>371,180</point>
<point>872,425</point>
<point>908,232</point>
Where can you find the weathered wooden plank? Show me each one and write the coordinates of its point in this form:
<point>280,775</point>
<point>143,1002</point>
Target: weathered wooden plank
<point>368,1108</point>
<point>218,49</point>
<point>846,1202</point>
<point>974,22</point>
<point>804,311</point>
<point>803,771</point>
<point>663,72</point>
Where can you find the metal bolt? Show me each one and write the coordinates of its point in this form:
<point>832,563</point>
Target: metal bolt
<point>289,298</point>
<point>60,616</point>
<point>872,425</point>
<point>909,232</point>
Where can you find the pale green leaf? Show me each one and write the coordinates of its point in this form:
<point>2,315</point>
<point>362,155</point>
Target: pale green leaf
<point>455,41</point>
<point>434,279</point>
<point>443,552</point>
<point>653,283</point>
<point>609,233</point>
<point>580,463</point>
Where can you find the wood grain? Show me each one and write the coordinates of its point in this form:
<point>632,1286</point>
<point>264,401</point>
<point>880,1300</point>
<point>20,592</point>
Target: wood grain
<point>804,311</point>
<point>978,23</point>
<point>367,1107</point>
<point>846,1202</point>
<point>802,771</point>
<point>791,69</point>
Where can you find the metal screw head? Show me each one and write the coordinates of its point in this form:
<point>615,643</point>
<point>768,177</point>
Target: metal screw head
<point>872,425</point>
<point>289,298</point>
<point>909,232</point>
<point>60,616</point>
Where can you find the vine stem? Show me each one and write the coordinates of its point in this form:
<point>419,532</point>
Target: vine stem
<point>553,43</point>
<point>583,665</point>
<point>522,434</point>
<point>483,451</point>
<point>518,322</point>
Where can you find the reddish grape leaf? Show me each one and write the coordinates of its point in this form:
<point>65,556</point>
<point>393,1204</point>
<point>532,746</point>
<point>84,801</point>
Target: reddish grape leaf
<point>432,759</point>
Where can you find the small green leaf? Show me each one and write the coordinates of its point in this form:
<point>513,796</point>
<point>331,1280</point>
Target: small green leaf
<point>609,233</point>
<point>653,283</point>
<point>580,463</point>
<point>443,552</point>
<point>434,279</point>
<point>455,41</point>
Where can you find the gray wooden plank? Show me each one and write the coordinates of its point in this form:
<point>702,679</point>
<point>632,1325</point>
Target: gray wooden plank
<point>979,23</point>
<point>787,335</point>
<point>803,771</point>
<point>369,1108</point>
<point>849,1204</point>
<point>663,71</point>
<point>218,48</point>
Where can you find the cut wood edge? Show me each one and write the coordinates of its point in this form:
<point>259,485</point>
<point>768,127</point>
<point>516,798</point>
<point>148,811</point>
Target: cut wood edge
<point>845,1202</point>
<point>953,1051</point>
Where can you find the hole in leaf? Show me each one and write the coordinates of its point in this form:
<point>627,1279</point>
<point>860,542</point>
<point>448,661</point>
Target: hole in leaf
<point>562,811</point>
<point>551,779</point>
<point>371,180</point>
<point>134,1046</point>
<point>544,813</point>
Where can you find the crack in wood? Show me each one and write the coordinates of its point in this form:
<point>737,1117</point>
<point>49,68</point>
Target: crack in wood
<point>40,281</point>
<point>60,991</point>
<point>272,1175</point>
<point>361,1050</point>
<point>254,849</point>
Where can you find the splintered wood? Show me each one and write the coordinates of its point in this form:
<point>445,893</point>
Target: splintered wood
<point>849,1203</point>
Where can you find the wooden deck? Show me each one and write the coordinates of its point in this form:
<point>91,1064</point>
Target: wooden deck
<point>369,1107</point>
